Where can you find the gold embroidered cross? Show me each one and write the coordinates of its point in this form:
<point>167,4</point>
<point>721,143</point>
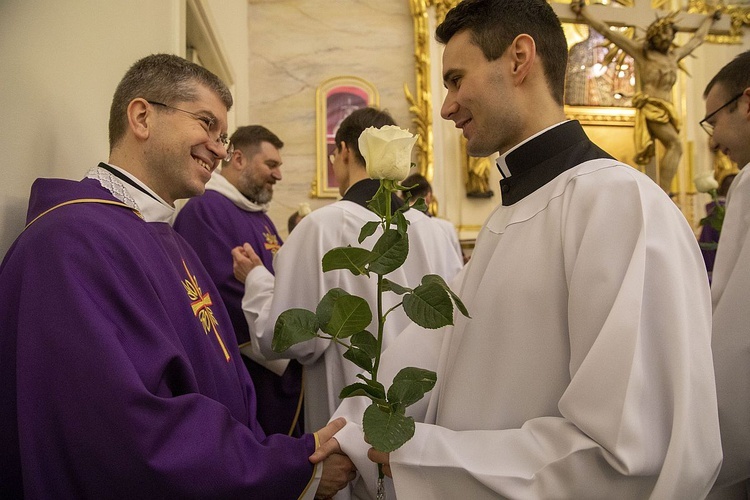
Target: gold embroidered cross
<point>200,304</point>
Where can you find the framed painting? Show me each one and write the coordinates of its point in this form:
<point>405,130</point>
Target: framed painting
<point>336,98</point>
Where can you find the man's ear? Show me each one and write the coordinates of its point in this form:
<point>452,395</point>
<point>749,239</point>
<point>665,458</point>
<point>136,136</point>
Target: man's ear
<point>746,108</point>
<point>236,159</point>
<point>140,114</point>
<point>522,54</point>
<point>345,152</point>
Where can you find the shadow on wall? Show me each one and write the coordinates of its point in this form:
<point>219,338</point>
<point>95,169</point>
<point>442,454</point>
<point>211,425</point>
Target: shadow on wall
<point>13,221</point>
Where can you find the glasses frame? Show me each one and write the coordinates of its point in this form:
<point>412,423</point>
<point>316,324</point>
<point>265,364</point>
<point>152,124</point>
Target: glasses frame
<point>707,127</point>
<point>209,122</point>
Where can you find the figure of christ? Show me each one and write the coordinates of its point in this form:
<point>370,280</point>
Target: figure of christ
<point>657,62</point>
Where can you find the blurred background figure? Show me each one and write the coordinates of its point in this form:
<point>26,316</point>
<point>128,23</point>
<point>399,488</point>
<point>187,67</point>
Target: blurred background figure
<point>303,210</point>
<point>711,224</point>
<point>421,188</point>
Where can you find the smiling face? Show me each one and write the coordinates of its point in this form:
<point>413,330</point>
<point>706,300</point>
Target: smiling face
<point>480,97</point>
<point>182,150</point>
<point>261,171</point>
<point>731,124</point>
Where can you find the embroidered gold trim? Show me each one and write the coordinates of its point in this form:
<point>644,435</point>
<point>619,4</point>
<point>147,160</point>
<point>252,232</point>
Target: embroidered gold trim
<point>83,200</point>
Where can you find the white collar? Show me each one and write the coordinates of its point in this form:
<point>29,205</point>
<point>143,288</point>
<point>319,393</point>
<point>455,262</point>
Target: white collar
<point>221,185</point>
<point>151,206</point>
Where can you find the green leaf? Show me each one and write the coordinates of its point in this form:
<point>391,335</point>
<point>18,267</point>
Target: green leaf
<point>324,310</point>
<point>392,286</point>
<point>386,431</point>
<point>359,389</point>
<point>429,306</point>
<point>292,327</point>
<point>420,205</point>
<point>378,202</point>
<point>351,258</point>
<point>359,358</point>
<point>402,223</point>
<point>351,314</point>
<point>426,378</point>
<point>434,278</point>
<point>405,393</point>
<point>389,253</point>
<point>366,342</point>
<point>368,230</point>
<point>374,384</point>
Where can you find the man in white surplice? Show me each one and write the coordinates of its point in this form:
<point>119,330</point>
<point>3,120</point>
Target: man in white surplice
<point>728,123</point>
<point>585,370</point>
<point>301,283</point>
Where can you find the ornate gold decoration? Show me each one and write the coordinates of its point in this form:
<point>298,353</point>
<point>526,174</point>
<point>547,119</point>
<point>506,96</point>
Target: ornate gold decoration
<point>201,305</point>
<point>739,15</point>
<point>420,103</point>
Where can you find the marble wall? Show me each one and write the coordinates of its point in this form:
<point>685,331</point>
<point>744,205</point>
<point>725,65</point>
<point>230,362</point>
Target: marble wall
<point>297,44</point>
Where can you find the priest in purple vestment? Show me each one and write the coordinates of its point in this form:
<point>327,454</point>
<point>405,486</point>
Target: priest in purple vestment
<point>231,212</point>
<point>119,375</point>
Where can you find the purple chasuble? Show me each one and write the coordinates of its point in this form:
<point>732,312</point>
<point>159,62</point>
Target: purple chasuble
<point>118,374</point>
<point>213,226</point>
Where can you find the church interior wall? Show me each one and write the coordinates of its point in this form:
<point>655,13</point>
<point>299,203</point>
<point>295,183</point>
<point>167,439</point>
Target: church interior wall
<point>62,61</point>
<point>294,46</point>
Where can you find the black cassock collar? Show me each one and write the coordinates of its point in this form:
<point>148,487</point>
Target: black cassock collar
<point>540,160</point>
<point>363,191</point>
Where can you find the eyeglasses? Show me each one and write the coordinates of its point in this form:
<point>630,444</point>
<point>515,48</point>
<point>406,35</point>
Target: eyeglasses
<point>709,127</point>
<point>208,123</point>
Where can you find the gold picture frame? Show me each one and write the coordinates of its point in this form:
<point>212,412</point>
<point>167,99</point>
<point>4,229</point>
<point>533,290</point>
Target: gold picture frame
<point>335,99</point>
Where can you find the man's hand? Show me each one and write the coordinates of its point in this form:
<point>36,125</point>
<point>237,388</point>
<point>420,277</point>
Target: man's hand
<point>338,471</point>
<point>244,260</point>
<point>380,457</point>
<point>577,6</point>
<point>328,444</point>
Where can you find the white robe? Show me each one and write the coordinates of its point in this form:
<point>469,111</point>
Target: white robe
<point>585,371</point>
<point>301,283</point>
<point>450,231</point>
<point>731,340</point>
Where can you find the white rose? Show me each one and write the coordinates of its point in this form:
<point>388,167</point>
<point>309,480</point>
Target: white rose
<point>387,152</point>
<point>705,182</point>
<point>304,209</point>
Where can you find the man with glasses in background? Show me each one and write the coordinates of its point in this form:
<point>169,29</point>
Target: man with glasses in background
<point>727,122</point>
<point>119,377</point>
<point>231,212</point>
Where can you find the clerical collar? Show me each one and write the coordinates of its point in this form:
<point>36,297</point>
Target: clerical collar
<point>527,167</point>
<point>361,192</point>
<point>129,189</point>
<point>501,161</point>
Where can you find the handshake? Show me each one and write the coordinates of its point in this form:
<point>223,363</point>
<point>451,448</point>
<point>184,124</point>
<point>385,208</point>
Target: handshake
<point>338,469</point>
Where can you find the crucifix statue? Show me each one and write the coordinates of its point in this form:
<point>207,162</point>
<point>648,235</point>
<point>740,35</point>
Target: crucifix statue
<point>657,62</point>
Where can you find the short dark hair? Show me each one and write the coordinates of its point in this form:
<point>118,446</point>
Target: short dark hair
<point>734,76</point>
<point>164,78</point>
<point>421,186</point>
<point>353,125</point>
<point>249,138</point>
<point>494,24</point>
